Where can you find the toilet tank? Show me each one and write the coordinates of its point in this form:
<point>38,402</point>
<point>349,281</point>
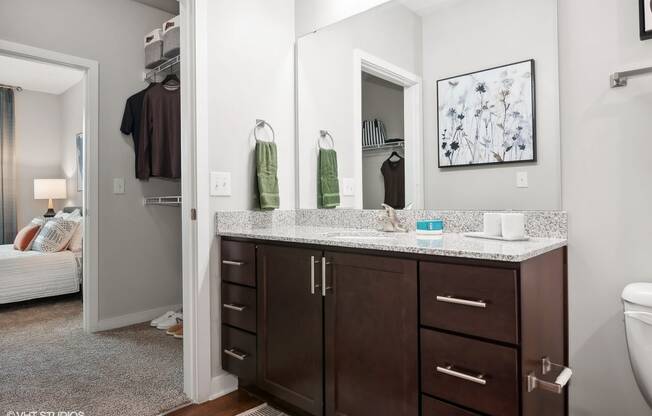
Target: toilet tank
<point>637,300</point>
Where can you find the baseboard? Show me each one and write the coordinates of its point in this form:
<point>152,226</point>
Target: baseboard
<point>134,318</point>
<point>223,385</point>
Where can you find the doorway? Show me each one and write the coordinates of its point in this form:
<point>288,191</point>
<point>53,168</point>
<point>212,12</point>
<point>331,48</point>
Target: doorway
<point>390,79</point>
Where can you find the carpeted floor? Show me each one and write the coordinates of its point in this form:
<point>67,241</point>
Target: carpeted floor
<point>47,363</point>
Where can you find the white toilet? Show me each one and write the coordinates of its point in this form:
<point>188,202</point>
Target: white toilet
<point>637,300</point>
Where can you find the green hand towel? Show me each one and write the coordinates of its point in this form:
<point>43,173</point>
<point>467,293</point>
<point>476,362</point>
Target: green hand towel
<point>329,187</point>
<point>266,168</point>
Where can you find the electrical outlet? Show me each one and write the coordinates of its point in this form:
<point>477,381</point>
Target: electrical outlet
<point>348,187</point>
<point>118,186</point>
<point>220,183</point>
<point>521,180</point>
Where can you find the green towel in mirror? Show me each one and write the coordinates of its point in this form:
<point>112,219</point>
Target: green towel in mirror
<point>266,169</point>
<point>328,187</point>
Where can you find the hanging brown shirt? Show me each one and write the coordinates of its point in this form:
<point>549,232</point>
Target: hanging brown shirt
<point>394,175</point>
<point>160,134</point>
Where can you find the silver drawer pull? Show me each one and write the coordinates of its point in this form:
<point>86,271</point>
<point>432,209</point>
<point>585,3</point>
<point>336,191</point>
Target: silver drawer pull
<point>233,263</point>
<point>238,308</point>
<point>465,302</point>
<point>235,354</point>
<point>448,370</point>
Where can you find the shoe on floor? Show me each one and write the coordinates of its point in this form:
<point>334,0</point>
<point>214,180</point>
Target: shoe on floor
<point>169,322</point>
<point>173,329</point>
<point>166,315</point>
<point>179,333</point>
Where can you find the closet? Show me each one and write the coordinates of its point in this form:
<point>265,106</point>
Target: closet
<point>152,117</point>
<point>383,158</point>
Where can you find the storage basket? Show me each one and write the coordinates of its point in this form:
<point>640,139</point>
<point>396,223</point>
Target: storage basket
<point>154,49</point>
<point>171,37</point>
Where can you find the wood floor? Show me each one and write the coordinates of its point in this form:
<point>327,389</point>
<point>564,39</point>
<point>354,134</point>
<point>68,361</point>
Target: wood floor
<point>229,405</point>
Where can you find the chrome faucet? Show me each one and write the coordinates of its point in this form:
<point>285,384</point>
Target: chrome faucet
<point>391,223</point>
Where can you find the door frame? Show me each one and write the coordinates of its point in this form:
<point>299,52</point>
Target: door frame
<point>413,116</point>
<point>90,178</point>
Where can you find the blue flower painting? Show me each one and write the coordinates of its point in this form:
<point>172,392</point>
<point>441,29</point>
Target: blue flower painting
<point>487,117</point>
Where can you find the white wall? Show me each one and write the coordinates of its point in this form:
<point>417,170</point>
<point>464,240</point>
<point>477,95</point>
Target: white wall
<point>72,123</point>
<point>250,69</point>
<point>38,142</point>
<point>140,247</point>
<point>315,14</point>
<point>607,167</point>
<point>325,84</point>
<point>495,33</point>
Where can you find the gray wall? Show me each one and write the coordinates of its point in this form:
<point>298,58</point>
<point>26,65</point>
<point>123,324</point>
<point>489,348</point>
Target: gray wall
<point>139,247</point>
<point>38,140</point>
<point>531,27</point>
<point>607,167</point>
<point>72,123</point>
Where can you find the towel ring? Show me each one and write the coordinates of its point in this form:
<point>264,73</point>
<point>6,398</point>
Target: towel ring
<point>261,124</point>
<point>322,135</point>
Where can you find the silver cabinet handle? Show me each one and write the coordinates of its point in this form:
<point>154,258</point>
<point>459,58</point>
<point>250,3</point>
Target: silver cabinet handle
<point>323,276</point>
<point>233,263</point>
<point>235,354</point>
<point>465,302</point>
<point>312,274</point>
<point>448,370</point>
<point>238,308</point>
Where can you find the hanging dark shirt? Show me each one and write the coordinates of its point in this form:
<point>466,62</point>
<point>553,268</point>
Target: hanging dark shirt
<point>160,134</point>
<point>394,175</point>
<point>131,120</point>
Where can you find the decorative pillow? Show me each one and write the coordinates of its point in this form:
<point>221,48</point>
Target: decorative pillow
<point>54,236</point>
<point>26,236</point>
<point>76,242</point>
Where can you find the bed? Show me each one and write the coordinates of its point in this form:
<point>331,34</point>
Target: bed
<point>26,275</point>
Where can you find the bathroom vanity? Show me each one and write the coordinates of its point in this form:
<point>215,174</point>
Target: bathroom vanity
<point>343,322</point>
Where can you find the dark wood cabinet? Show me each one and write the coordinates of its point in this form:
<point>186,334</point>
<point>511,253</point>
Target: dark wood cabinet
<point>290,327</point>
<point>371,337</point>
<point>347,332</point>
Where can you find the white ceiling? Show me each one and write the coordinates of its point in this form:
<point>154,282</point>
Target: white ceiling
<point>426,7</point>
<point>37,76</point>
<point>170,6</point>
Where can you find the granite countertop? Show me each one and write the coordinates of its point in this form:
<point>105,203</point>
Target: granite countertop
<point>449,244</point>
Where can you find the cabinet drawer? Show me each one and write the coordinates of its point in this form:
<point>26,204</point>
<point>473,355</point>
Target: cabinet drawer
<point>239,353</point>
<point>238,262</point>
<point>478,301</point>
<point>433,407</point>
<point>239,306</point>
<point>474,374</point>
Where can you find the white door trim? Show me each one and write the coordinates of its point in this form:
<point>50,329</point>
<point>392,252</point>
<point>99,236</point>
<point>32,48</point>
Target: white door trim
<point>365,62</point>
<point>91,117</point>
<point>196,239</point>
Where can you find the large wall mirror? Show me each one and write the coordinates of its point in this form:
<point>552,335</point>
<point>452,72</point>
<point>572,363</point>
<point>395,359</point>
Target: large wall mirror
<point>436,104</point>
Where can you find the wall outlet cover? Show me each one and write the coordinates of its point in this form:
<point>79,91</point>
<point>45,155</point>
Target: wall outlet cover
<point>521,180</point>
<point>220,183</point>
<point>118,186</point>
<point>348,187</point>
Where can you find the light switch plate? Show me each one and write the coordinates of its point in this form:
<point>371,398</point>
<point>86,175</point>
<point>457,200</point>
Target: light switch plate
<point>521,180</point>
<point>220,183</point>
<point>348,187</point>
<point>118,186</point>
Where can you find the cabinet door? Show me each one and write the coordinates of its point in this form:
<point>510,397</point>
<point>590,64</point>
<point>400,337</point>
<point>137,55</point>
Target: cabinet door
<point>290,326</point>
<point>371,337</point>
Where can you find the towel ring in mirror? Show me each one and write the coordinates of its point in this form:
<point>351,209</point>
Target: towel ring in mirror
<point>261,124</point>
<point>324,134</point>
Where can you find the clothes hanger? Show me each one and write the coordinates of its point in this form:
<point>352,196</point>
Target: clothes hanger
<point>172,80</point>
<point>395,153</point>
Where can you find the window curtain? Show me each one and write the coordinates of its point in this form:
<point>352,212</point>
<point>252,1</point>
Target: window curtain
<point>7,168</point>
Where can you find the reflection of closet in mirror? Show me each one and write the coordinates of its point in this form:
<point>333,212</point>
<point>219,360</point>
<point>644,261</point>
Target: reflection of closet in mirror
<point>383,158</point>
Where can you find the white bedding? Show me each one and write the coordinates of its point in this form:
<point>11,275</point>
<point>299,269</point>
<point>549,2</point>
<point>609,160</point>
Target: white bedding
<point>29,274</point>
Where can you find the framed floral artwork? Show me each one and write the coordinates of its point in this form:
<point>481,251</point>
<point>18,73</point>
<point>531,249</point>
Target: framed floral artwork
<point>487,117</point>
<point>645,19</point>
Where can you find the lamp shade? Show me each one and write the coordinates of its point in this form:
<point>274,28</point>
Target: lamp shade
<point>50,189</point>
